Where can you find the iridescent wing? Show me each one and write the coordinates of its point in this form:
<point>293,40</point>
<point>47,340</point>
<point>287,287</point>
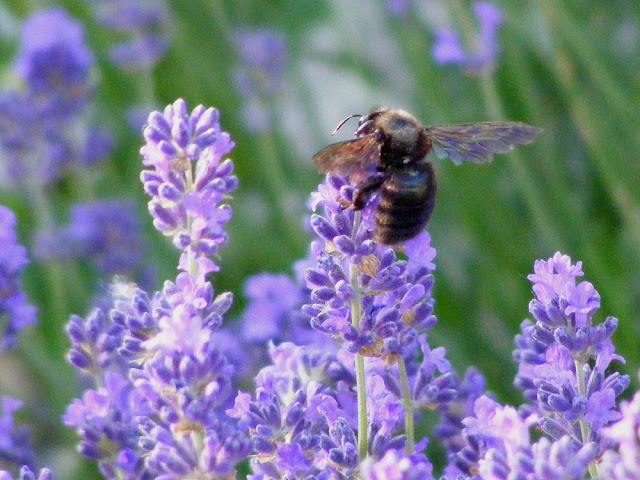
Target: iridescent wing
<point>479,142</point>
<point>356,158</point>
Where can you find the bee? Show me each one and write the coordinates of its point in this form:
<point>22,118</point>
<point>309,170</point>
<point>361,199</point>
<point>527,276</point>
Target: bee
<point>388,155</point>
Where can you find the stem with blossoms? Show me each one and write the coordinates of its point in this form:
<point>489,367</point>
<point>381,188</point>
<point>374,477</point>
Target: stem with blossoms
<point>361,386</point>
<point>407,403</point>
<point>585,428</point>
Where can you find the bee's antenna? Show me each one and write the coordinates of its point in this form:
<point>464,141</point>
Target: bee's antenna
<point>345,121</point>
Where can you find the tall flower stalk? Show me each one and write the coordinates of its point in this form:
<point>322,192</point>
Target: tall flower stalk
<point>162,381</point>
<point>374,304</point>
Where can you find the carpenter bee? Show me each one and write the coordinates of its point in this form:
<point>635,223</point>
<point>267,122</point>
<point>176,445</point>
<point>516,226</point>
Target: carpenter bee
<point>388,154</point>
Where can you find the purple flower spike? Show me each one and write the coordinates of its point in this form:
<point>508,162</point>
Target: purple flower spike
<point>15,312</point>
<point>395,295</point>
<point>145,26</point>
<point>563,356</point>
<point>623,461</point>
<point>55,62</point>
<point>482,59</point>
<point>260,76</point>
<point>108,233</point>
<point>15,449</point>
<point>42,128</point>
<point>189,181</point>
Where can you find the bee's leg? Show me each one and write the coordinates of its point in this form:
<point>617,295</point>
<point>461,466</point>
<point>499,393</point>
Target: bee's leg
<point>366,189</point>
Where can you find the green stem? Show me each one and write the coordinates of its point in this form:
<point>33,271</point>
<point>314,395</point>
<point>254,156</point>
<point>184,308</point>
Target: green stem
<point>361,386</point>
<point>407,403</point>
<point>193,266</point>
<point>362,407</point>
<point>585,428</point>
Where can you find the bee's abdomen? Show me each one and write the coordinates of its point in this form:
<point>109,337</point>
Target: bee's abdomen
<point>407,199</point>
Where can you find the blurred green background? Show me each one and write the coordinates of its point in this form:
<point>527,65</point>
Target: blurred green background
<point>570,67</point>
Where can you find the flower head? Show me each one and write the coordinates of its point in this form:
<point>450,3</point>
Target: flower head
<point>260,75</point>
<point>144,27</point>
<point>108,233</point>
<point>55,62</point>
<point>15,449</point>
<point>15,312</point>
<point>448,47</point>
<point>27,474</point>
<point>396,465</point>
<point>188,180</point>
<point>54,66</point>
<point>301,419</point>
<point>394,295</point>
<point>623,462</point>
<point>563,356</point>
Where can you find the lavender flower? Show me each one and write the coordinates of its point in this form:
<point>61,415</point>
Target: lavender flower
<point>108,233</point>
<point>481,60</point>
<point>145,25</point>
<point>188,180</point>
<point>499,448</point>
<point>623,463</point>
<point>260,76</point>
<point>55,63</point>
<point>563,357</point>
<point>15,449</point>
<point>460,406</point>
<point>301,421</point>
<point>163,382</point>
<point>399,8</point>
<point>396,465</point>
<point>41,132</point>
<point>394,295</point>
<point>15,312</point>
<point>27,474</point>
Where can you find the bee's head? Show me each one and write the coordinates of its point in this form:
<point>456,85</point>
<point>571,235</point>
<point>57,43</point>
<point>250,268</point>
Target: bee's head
<point>401,131</point>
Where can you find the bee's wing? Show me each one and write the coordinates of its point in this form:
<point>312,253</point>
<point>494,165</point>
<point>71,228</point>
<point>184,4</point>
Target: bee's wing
<point>479,142</point>
<point>356,158</point>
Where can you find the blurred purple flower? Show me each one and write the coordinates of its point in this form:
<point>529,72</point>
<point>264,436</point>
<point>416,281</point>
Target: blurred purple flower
<point>15,312</point>
<point>260,76</point>
<point>273,314</point>
<point>107,233</point>
<point>54,65</point>
<point>145,24</point>
<point>55,62</point>
<point>482,59</point>
<point>399,8</point>
<point>15,449</point>
<point>271,300</point>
